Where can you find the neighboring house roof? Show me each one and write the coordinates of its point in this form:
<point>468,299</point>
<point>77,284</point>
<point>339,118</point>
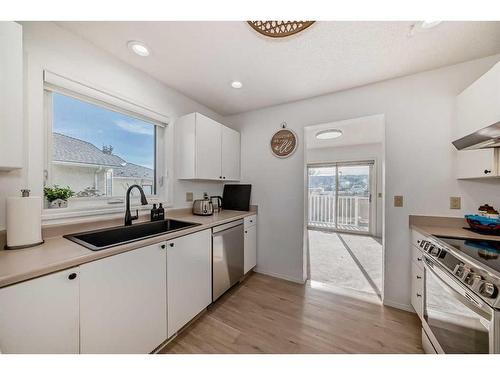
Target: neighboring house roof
<point>73,150</point>
<point>133,170</point>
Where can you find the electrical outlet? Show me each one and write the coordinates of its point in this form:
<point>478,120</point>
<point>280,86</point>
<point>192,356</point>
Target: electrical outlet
<point>380,195</point>
<point>398,201</point>
<point>455,203</point>
<point>189,196</point>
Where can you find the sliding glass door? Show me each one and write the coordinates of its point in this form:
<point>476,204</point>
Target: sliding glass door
<point>340,195</point>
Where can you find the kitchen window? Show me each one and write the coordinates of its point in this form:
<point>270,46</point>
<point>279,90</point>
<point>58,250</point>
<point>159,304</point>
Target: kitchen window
<point>100,149</point>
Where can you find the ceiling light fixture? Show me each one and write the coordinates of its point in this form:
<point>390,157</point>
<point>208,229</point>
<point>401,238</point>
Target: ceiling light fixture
<point>236,85</point>
<point>329,134</point>
<point>279,29</point>
<point>422,26</point>
<point>138,48</point>
<point>429,24</point>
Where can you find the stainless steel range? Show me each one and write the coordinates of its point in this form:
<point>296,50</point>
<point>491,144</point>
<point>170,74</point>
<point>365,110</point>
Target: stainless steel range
<point>461,294</point>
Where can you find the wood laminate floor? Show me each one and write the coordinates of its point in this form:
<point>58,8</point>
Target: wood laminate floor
<point>268,315</point>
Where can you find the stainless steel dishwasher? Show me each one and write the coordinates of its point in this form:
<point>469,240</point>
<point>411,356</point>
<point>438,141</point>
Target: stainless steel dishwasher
<point>227,257</point>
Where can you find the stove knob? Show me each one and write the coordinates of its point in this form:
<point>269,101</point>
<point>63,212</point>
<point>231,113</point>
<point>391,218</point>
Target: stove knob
<point>488,290</point>
<point>434,251</point>
<point>469,279</point>
<point>422,243</point>
<point>476,279</point>
<point>460,271</point>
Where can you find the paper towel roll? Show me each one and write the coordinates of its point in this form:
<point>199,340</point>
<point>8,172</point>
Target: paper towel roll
<point>24,221</point>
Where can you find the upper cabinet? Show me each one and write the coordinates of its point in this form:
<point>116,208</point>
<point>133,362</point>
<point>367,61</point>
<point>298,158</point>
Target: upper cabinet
<point>478,107</point>
<point>206,149</point>
<point>11,96</point>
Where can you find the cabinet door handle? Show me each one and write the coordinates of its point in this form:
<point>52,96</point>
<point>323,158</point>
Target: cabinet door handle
<point>171,244</point>
<point>246,232</point>
<point>419,277</point>
<point>224,177</point>
<point>419,295</point>
<point>72,276</point>
<point>486,171</point>
<point>220,176</point>
<point>419,259</point>
<point>163,246</point>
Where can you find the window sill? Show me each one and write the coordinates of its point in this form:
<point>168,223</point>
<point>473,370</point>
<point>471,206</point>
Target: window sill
<point>71,215</point>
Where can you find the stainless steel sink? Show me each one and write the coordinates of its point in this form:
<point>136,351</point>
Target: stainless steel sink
<point>106,238</point>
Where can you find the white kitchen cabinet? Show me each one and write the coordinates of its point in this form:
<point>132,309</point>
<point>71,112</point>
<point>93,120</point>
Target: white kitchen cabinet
<point>250,248</point>
<point>41,315</point>
<point>477,163</point>
<point>417,289</point>
<point>123,302</point>
<point>189,278</point>
<point>11,96</point>
<point>478,106</point>
<point>206,149</point>
<point>230,154</point>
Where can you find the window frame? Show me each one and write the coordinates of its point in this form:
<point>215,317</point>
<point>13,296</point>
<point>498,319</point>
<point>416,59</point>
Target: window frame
<point>81,206</point>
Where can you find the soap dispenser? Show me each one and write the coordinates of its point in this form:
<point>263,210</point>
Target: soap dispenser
<point>154,213</point>
<point>161,212</point>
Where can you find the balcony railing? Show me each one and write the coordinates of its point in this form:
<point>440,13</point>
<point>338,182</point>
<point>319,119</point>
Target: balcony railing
<point>353,212</point>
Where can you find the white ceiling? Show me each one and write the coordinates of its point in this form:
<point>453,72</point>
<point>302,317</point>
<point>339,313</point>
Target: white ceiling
<point>358,131</point>
<point>201,58</point>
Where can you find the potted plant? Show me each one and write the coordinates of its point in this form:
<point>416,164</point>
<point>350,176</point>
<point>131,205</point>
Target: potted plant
<point>58,196</point>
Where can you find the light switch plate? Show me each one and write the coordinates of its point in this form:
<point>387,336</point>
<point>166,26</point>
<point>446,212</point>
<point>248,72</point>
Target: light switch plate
<point>398,201</point>
<point>455,203</point>
<point>189,196</point>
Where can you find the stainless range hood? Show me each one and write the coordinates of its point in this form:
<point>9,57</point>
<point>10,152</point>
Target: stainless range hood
<point>488,137</point>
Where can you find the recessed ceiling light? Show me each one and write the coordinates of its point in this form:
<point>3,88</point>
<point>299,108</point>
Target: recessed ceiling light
<point>236,85</point>
<point>329,134</point>
<point>429,24</point>
<point>138,48</point>
<point>422,26</point>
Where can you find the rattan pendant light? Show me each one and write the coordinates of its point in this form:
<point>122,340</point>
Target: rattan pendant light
<point>279,29</point>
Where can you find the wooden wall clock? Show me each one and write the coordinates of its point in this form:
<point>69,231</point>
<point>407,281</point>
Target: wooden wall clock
<point>284,142</point>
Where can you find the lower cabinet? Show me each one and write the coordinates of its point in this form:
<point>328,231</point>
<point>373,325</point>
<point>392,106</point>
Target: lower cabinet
<point>123,305</point>
<point>189,278</point>
<point>250,246</point>
<point>417,289</point>
<point>41,315</point>
<point>120,304</point>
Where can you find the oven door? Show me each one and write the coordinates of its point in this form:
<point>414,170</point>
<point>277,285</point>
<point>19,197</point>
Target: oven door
<point>457,320</point>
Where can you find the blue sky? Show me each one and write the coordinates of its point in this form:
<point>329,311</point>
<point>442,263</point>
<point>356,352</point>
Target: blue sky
<point>132,139</point>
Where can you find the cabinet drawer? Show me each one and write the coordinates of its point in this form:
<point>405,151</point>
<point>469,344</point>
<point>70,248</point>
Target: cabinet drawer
<point>417,289</point>
<point>417,257</point>
<point>250,221</point>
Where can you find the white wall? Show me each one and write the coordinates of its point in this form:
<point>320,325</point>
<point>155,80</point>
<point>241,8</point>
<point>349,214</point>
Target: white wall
<point>369,151</point>
<point>47,46</point>
<point>419,165</point>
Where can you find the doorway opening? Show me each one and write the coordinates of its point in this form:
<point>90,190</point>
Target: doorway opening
<point>344,185</point>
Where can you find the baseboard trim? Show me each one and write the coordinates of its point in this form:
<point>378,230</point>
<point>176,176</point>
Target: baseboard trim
<point>280,276</point>
<point>400,306</point>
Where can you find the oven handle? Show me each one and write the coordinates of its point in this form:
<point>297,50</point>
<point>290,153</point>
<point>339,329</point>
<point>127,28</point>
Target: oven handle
<point>460,292</point>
